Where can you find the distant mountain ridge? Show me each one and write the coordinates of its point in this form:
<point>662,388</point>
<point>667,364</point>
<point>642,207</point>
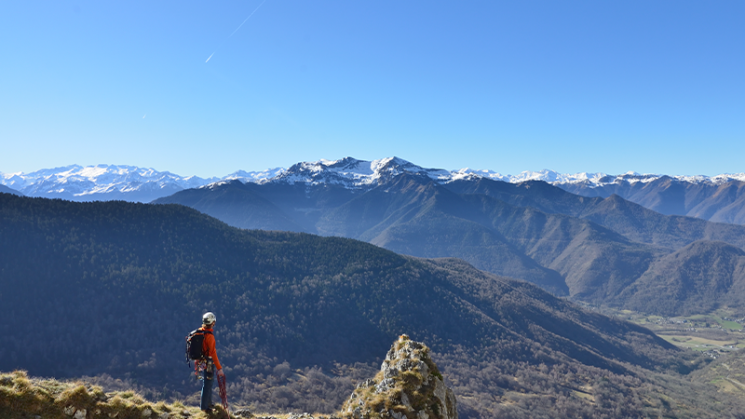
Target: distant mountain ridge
<point>718,198</point>
<point>593,249</point>
<point>361,173</point>
<point>111,182</point>
<point>5,189</point>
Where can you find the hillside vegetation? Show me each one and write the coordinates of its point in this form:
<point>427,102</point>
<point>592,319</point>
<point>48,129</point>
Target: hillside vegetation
<point>602,251</point>
<point>109,290</point>
<point>22,396</point>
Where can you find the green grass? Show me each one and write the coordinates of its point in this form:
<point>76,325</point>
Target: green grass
<point>731,325</point>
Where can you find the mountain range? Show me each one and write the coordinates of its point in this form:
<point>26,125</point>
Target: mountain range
<point>718,198</point>
<point>110,182</point>
<point>109,289</point>
<point>599,250</point>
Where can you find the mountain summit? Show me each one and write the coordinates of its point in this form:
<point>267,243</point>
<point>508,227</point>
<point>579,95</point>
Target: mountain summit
<point>719,198</point>
<point>353,173</point>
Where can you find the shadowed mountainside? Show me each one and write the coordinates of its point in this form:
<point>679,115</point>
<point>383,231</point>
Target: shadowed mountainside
<point>593,249</point>
<point>631,220</point>
<point>714,272</point>
<point>5,189</point>
<point>724,203</point>
<point>132,279</point>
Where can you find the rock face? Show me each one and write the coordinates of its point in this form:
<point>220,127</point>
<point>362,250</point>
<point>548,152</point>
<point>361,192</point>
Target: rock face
<point>408,386</point>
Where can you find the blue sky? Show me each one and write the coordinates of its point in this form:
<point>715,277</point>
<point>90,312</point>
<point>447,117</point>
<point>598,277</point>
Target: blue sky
<point>596,86</point>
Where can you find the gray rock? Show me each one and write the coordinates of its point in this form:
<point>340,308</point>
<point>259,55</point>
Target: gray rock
<point>385,385</point>
<point>243,413</point>
<point>390,372</point>
<point>405,401</point>
<point>367,383</point>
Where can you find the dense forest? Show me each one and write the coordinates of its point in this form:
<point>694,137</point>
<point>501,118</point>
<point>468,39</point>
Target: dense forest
<point>109,290</point>
<point>601,251</point>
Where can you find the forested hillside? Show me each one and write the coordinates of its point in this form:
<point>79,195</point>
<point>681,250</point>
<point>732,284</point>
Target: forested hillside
<point>591,249</point>
<point>111,289</point>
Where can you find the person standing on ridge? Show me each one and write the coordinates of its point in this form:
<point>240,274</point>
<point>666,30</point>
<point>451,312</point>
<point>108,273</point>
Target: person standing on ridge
<point>208,349</point>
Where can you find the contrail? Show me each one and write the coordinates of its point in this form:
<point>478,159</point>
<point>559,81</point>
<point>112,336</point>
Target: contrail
<point>239,26</point>
<point>249,16</point>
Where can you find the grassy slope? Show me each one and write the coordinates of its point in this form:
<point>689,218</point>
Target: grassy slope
<point>21,397</point>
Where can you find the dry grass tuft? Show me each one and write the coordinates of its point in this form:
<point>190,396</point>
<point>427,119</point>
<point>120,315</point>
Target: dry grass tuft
<point>75,396</point>
<point>23,397</point>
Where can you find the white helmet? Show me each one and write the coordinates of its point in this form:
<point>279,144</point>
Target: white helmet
<point>208,318</point>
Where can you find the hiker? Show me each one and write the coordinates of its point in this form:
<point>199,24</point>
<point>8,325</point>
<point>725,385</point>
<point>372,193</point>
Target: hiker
<point>208,349</point>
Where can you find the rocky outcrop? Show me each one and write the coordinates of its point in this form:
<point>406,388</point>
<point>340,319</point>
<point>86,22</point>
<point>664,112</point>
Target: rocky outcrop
<point>408,386</point>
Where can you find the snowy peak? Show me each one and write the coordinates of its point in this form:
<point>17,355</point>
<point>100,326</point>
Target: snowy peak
<point>101,182</point>
<point>591,180</point>
<point>631,178</point>
<point>548,176</point>
<point>352,173</point>
<point>255,177</point>
<point>393,166</point>
<point>130,183</point>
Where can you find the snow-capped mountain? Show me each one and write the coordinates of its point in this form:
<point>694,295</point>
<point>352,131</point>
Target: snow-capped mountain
<point>102,182</point>
<point>596,179</point>
<point>601,179</point>
<point>353,173</point>
<point>256,177</point>
<point>114,182</point>
<point>130,183</point>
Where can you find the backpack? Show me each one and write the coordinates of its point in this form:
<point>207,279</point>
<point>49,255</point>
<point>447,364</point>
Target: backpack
<point>194,345</point>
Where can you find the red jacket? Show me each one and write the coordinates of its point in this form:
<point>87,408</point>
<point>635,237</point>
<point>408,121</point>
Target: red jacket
<point>208,346</point>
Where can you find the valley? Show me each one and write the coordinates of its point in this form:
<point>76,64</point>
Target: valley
<point>304,318</point>
<point>598,250</point>
<point>536,302</point>
<point>372,210</point>
<point>715,334</point>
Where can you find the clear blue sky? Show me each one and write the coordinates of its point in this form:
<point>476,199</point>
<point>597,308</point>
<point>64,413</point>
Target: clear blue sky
<point>597,86</point>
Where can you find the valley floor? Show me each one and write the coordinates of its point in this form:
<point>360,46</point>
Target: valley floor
<point>719,335</point>
<point>715,334</point>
